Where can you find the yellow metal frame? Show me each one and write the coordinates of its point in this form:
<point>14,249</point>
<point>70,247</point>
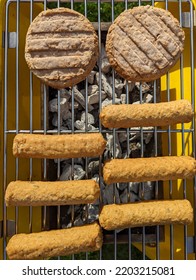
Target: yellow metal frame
<point>24,96</point>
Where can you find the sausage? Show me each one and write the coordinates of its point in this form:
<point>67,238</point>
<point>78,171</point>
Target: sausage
<point>58,146</point>
<point>148,114</point>
<point>149,169</point>
<point>61,242</point>
<point>148,213</point>
<point>38,193</point>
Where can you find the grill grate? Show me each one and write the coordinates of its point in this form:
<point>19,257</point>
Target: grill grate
<point>26,111</point>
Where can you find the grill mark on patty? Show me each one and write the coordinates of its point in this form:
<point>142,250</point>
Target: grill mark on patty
<point>55,62</point>
<point>61,47</point>
<point>58,53</point>
<point>141,48</point>
<point>60,58</point>
<point>166,28</point>
<point>169,23</point>
<point>136,23</point>
<point>59,44</point>
<point>159,41</point>
<point>142,58</point>
<point>57,26</point>
<point>48,35</point>
<point>157,33</point>
<point>122,56</point>
<point>158,44</point>
<point>150,50</point>
<point>56,16</point>
<point>160,47</point>
<point>151,27</point>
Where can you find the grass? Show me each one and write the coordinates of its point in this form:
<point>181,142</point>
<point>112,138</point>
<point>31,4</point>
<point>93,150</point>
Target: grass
<point>92,9</point>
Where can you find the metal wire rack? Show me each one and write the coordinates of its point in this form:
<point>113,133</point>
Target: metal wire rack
<point>25,110</point>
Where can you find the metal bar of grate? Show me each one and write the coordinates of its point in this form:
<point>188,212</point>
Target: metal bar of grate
<point>63,131</point>
<point>169,153</point>
<point>72,131</point>
<point>17,99</point>
<point>86,127</point>
<point>95,1</point>
<point>156,154</point>
<point>5,128</point>
<point>31,121</point>
<point>100,104</point>
<point>183,135</point>
<point>128,152</point>
<point>193,104</point>
<point>114,137</point>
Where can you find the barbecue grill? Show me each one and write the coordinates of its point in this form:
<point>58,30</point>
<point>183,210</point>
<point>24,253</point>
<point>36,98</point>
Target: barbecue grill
<point>24,109</point>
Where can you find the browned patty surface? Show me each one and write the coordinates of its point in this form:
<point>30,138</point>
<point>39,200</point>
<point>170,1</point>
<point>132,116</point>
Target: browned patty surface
<point>61,47</point>
<point>143,43</point>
